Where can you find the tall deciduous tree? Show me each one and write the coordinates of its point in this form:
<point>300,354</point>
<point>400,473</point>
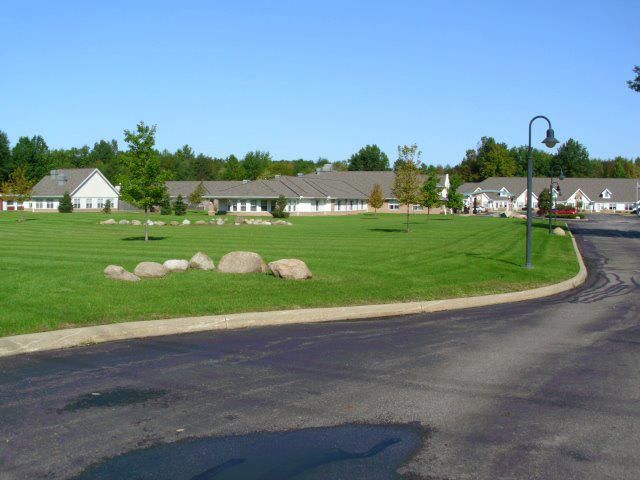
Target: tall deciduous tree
<point>32,154</point>
<point>255,163</point>
<point>573,157</point>
<point>369,158</point>
<point>17,188</point>
<point>635,83</point>
<point>233,169</point>
<point>406,185</point>
<point>376,197</point>
<point>143,184</point>
<point>5,156</point>
<point>494,159</point>
<point>430,193</point>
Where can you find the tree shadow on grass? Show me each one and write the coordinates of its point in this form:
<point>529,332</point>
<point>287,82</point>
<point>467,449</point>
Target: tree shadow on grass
<point>134,239</point>
<point>388,230</point>
<point>484,257</point>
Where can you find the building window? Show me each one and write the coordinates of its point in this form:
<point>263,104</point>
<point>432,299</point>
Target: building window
<point>317,205</point>
<point>394,205</point>
<point>38,203</point>
<point>89,203</point>
<point>254,205</point>
<point>417,207</point>
<point>264,205</point>
<point>49,202</point>
<point>100,203</point>
<point>76,203</point>
<point>243,205</point>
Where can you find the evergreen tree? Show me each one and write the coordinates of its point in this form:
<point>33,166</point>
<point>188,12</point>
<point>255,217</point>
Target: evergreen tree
<point>179,207</point>
<point>5,156</point>
<point>545,201</point>
<point>107,206</point>
<point>196,195</point>
<point>280,210</point>
<point>65,205</point>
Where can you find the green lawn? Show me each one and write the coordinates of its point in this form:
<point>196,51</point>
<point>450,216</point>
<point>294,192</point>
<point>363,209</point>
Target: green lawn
<point>51,265</point>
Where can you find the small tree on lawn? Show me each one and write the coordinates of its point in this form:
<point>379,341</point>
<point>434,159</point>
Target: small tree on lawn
<point>65,205</point>
<point>430,193</point>
<point>455,200</point>
<point>545,201</point>
<point>376,197</point>
<point>179,207</point>
<point>196,195</point>
<point>406,185</point>
<point>165,206</point>
<point>17,188</point>
<point>280,210</point>
<point>107,206</point>
<point>143,184</point>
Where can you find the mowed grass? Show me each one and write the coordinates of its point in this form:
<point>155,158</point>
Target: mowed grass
<point>52,265</point>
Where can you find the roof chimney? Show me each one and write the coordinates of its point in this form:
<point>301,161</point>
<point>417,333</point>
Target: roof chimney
<point>277,175</point>
<point>245,181</point>
<point>62,179</point>
<point>54,173</point>
<point>300,174</point>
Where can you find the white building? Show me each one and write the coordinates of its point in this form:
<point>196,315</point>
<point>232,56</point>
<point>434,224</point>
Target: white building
<point>88,187</point>
<point>586,194</point>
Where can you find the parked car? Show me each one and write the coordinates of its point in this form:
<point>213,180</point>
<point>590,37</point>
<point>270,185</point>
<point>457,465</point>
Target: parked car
<point>480,209</point>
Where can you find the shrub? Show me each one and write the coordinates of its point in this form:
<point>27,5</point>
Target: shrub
<point>107,207</point>
<point>179,207</point>
<point>165,206</point>
<point>279,211</point>
<point>564,215</point>
<point>65,205</point>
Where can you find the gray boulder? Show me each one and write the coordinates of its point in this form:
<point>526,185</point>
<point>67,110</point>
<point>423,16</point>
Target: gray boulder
<point>124,222</point>
<point>290,269</point>
<point>174,223</point>
<point>150,270</point>
<point>136,222</point>
<point>242,262</point>
<point>201,261</point>
<point>201,222</point>
<point>186,221</point>
<point>177,265</point>
<point>111,221</point>
<point>116,272</point>
<point>559,231</point>
<point>160,223</point>
<point>220,221</point>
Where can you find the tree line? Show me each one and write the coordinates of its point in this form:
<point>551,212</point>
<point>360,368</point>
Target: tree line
<point>489,158</point>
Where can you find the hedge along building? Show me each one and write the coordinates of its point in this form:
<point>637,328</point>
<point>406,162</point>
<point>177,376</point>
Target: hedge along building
<point>588,194</point>
<point>321,193</point>
<point>88,187</point>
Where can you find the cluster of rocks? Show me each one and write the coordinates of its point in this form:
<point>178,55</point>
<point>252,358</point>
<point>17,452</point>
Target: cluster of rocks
<point>233,262</point>
<point>509,214</point>
<point>186,221</point>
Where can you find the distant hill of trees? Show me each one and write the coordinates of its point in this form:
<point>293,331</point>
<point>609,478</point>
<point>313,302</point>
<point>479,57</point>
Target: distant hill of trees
<point>489,158</point>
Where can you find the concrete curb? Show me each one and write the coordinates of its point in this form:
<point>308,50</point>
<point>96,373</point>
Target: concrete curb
<point>73,337</point>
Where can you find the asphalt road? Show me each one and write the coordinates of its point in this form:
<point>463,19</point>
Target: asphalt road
<point>544,389</point>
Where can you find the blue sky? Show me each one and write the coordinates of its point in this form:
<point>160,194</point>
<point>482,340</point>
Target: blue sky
<point>311,79</point>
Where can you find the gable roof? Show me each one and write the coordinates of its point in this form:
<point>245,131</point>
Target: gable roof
<point>622,190</point>
<point>74,178</point>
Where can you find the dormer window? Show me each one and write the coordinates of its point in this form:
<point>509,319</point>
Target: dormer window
<point>504,192</point>
<point>606,193</point>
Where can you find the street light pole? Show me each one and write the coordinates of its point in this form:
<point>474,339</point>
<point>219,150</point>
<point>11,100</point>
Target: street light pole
<point>550,141</point>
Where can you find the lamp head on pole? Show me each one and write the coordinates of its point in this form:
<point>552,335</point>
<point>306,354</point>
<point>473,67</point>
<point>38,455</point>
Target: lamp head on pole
<point>561,177</point>
<point>551,140</point>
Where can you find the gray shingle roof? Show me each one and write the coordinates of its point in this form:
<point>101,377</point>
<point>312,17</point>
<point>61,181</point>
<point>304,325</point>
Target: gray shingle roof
<point>623,190</point>
<point>50,187</point>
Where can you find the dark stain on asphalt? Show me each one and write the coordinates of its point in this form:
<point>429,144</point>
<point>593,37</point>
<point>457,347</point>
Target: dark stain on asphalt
<point>117,397</point>
<point>343,451</point>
